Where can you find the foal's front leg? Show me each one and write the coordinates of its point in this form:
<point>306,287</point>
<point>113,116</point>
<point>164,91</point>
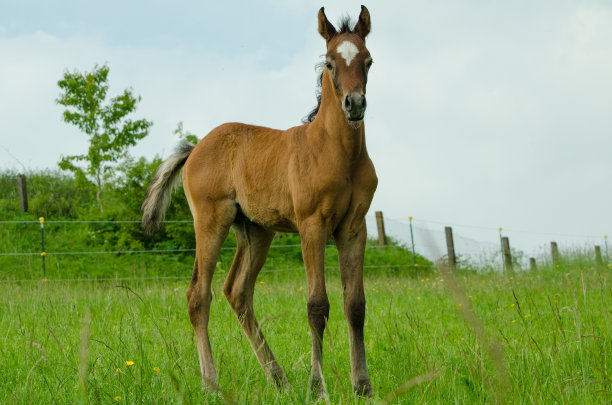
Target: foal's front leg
<point>350,240</point>
<point>314,236</point>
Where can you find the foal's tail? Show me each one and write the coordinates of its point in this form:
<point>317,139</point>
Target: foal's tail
<point>166,179</point>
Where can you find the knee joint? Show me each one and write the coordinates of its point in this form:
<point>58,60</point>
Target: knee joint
<point>238,301</point>
<point>355,313</point>
<point>318,313</point>
<point>196,302</point>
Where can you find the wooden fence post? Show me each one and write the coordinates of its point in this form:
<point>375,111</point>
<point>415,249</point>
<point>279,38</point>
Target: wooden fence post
<point>532,264</point>
<point>450,246</point>
<point>507,253</point>
<point>23,192</point>
<point>382,237</point>
<point>554,252</point>
<point>598,258</point>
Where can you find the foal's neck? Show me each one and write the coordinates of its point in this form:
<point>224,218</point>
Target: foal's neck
<point>331,117</point>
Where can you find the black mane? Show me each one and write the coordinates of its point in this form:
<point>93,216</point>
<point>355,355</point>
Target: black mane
<point>346,25</point>
<point>313,114</point>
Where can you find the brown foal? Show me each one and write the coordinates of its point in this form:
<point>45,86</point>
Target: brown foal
<point>315,179</point>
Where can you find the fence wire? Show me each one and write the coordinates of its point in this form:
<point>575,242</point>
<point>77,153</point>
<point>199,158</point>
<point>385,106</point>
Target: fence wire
<point>427,241</point>
<point>187,277</point>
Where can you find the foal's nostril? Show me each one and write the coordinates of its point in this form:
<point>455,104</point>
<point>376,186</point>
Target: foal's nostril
<point>347,102</point>
<point>363,101</point>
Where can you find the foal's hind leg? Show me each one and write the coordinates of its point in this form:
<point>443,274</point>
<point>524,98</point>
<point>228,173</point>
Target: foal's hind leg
<point>212,224</point>
<point>253,244</point>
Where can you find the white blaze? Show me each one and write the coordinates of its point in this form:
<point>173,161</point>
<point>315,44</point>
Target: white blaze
<point>348,50</point>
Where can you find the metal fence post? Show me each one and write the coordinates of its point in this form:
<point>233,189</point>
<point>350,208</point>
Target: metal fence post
<point>42,242</point>
<point>413,252</point>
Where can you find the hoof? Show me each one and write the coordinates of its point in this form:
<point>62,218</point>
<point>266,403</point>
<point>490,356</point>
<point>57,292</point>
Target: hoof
<point>280,380</point>
<point>317,387</point>
<point>210,384</point>
<point>363,389</point>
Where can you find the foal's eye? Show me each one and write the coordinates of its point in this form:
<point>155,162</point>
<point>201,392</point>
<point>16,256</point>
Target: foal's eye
<point>328,65</point>
<point>369,64</point>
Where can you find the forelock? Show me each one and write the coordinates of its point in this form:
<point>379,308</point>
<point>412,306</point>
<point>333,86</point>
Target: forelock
<point>345,25</point>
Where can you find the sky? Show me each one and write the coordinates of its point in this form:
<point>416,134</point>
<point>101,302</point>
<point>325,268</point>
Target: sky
<point>481,114</point>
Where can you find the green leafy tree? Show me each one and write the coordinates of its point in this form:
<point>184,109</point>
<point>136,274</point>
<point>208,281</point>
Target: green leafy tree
<point>106,123</point>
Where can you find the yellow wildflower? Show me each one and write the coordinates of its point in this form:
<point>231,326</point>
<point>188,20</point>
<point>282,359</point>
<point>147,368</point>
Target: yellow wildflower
<point>117,398</point>
<point>514,321</point>
<point>129,363</point>
<point>156,369</point>
<point>117,370</point>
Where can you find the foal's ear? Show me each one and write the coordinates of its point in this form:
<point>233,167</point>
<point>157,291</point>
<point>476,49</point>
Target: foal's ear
<point>326,29</point>
<point>362,28</point>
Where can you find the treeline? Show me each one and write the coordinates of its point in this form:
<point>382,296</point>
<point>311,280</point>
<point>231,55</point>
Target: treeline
<point>58,196</point>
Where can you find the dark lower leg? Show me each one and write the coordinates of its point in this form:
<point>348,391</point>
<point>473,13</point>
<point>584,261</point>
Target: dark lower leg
<point>318,314</point>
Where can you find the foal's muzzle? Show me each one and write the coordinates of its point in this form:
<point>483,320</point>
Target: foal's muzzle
<point>354,106</point>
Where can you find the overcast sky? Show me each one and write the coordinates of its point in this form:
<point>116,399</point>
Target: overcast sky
<point>480,113</point>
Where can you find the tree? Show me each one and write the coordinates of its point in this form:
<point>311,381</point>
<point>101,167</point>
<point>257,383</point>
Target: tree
<point>185,135</point>
<point>106,124</point>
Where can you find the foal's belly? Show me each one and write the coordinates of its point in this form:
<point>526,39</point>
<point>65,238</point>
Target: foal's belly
<point>269,215</point>
<point>275,221</point>
<point>280,215</point>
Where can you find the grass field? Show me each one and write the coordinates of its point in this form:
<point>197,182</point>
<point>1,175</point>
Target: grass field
<point>542,337</point>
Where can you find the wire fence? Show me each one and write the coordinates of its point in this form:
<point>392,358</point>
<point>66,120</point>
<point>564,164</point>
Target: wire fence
<point>481,245</point>
<point>426,238</point>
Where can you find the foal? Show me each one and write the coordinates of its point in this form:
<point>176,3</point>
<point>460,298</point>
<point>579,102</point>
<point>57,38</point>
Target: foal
<point>315,179</point>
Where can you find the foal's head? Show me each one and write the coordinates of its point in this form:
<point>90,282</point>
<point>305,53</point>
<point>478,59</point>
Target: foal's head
<point>348,61</point>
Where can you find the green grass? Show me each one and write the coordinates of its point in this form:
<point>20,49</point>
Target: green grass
<point>67,342</point>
